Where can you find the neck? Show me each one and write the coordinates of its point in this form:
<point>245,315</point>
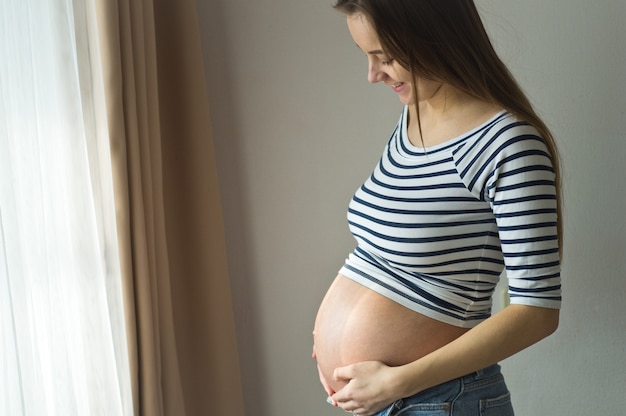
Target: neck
<point>445,114</point>
<point>442,105</point>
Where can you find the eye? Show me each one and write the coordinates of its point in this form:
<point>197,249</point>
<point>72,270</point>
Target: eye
<point>387,62</point>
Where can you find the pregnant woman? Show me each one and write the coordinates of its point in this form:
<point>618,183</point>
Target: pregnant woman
<point>467,187</point>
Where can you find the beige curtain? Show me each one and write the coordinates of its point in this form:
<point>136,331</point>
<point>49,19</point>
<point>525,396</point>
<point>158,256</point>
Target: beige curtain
<point>180,324</point>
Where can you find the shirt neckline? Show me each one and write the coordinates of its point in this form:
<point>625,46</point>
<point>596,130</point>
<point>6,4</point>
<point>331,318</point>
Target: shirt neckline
<point>418,151</point>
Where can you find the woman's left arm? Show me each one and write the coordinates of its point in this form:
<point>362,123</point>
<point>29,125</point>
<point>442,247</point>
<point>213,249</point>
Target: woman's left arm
<point>373,385</point>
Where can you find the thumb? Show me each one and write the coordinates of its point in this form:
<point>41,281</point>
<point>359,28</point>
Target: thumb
<point>344,373</point>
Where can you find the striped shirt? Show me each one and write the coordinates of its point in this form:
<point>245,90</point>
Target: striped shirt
<point>436,229</point>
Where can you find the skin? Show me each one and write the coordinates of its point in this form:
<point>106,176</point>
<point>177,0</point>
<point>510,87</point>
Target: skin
<point>370,386</point>
<point>445,112</point>
<point>356,324</point>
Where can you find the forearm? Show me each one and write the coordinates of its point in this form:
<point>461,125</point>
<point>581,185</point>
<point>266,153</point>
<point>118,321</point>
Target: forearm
<point>504,334</point>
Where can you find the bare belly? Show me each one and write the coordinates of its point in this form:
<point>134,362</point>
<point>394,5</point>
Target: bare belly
<point>356,324</point>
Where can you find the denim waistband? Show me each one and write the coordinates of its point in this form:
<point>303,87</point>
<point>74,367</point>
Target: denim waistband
<point>486,378</point>
<point>487,372</point>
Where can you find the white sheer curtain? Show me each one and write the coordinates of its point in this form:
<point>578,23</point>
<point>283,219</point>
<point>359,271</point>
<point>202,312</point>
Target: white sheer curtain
<point>62,336</point>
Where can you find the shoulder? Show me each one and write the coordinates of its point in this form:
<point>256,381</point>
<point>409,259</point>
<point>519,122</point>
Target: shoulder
<point>503,132</point>
<point>502,146</point>
<point>502,137</point>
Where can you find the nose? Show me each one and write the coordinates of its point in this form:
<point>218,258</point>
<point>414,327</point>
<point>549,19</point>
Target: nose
<point>374,74</point>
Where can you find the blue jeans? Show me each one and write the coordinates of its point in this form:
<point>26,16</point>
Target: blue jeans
<point>483,393</point>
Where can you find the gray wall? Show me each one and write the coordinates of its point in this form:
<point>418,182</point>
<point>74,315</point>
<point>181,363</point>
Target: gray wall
<point>297,128</point>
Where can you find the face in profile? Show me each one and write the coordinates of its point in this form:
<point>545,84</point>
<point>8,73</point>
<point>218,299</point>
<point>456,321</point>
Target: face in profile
<point>384,68</point>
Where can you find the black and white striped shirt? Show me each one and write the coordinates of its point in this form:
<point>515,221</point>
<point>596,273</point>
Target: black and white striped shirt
<point>435,229</point>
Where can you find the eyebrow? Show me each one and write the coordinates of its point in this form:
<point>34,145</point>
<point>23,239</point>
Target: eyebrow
<point>374,52</point>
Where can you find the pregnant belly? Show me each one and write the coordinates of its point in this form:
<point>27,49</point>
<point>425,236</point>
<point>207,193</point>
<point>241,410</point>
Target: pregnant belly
<point>356,324</point>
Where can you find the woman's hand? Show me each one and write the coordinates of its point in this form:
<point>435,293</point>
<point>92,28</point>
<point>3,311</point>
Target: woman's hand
<point>371,386</point>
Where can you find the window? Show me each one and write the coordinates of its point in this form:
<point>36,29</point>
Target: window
<point>62,335</point>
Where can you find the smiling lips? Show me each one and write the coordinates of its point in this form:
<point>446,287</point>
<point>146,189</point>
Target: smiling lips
<point>397,86</point>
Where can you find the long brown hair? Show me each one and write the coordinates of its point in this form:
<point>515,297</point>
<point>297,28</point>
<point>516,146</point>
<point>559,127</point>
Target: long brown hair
<point>445,40</point>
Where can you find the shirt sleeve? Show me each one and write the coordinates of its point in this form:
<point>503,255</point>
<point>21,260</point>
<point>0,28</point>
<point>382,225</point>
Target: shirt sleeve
<point>513,171</point>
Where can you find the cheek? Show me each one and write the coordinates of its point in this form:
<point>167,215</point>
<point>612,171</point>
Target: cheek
<point>403,75</point>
